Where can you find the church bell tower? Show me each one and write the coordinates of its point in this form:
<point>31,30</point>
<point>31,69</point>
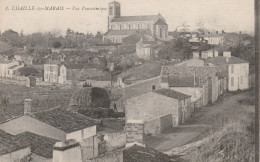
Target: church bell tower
<point>114,11</point>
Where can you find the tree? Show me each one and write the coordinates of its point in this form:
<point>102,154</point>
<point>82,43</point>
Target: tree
<point>56,44</point>
<point>200,26</point>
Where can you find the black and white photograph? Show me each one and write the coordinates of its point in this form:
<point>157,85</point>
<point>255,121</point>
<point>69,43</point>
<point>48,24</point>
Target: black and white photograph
<point>129,81</point>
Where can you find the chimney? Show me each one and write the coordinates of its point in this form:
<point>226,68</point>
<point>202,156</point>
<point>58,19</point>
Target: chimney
<point>134,132</point>
<point>28,106</point>
<point>227,59</point>
<point>68,150</point>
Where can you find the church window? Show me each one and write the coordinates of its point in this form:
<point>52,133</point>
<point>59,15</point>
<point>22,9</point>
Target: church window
<point>129,27</point>
<point>160,32</point>
<point>111,10</point>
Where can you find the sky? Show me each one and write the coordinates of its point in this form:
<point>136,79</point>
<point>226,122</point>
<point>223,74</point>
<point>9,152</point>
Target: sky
<point>227,15</point>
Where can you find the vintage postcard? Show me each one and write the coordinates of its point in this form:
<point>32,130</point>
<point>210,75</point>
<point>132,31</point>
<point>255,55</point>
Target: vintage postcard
<point>128,81</point>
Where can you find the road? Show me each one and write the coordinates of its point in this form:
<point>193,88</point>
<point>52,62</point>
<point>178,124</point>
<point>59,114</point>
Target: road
<point>197,127</point>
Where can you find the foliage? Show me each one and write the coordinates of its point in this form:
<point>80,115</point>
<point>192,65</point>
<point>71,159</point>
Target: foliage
<point>176,49</point>
<point>233,138</point>
<point>27,71</point>
<point>99,98</point>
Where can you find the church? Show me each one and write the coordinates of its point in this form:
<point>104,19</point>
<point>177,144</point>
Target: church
<point>120,27</point>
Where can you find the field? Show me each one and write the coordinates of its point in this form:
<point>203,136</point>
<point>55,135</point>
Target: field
<point>228,117</point>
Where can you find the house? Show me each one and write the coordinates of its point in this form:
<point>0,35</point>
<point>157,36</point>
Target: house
<point>235,69</point>
<point>25,146</point>
<point>120,27</point>
<point>159,109</point>
<point>12,71</point>
<point>200,82</point>
<point>144,49</point>
<point>69,73</point>
<point>216,40</point>
<point>8,64</point>
<point>56,123</point>
<point>51,71</point>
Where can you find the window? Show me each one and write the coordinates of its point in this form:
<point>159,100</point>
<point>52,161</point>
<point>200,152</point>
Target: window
<point>51,68</point>
<point>153,87</point>
<point>232,68</point>
<point>241,80</point>
<point>160,32</point>
<point>232,81</point>
<point>111,10</point>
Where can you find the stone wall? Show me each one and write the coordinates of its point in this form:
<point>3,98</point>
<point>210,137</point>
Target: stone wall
<point>166,122</point>
<point>152,126</point>
<point>114,156</point>
<point>134,132</point>
<point>115,140</point>
<point>150,106</point>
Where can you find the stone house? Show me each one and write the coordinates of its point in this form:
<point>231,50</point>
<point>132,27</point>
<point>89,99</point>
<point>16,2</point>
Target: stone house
<point>51,71</point>
<point>216,40</point>
<point>233,68</point>
<point>5,65</point>
<point>120,27</point>
<point>159,109</point>
<point>12,71</point>
<point>144,49</point>
<point>200,82</point>
<point>26,146</point>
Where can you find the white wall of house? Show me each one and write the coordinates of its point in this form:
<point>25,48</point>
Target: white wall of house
<point>51,73</point>
<point>238,76</point>
<point>82,134</point>
<point>16,155</point>
<point>151,106</point>
<point>4,67</point>
<point>195,93</point>
<point>29,124</point>
<point>63,75</point>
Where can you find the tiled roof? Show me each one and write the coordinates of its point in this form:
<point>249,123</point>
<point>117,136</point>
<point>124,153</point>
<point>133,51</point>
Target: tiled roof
<point>183,75</point>
<point>187,81</point>
<point>5,61</point>
<point>13,67</point>
<point>10,143</point>
<point>135,18</point>
<point>64,119</point>
<point>141,72</point>
<point>136,37</point>
<point>40,145</point>
<point>222,60</point>
<point>172,94</point>
<point>74,66</point>
<point>160,22</point>
<point>137,153</point>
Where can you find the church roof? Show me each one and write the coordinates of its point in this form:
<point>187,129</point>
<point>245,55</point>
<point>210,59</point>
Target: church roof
<point>135,18</point>
<point>160,22</point>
